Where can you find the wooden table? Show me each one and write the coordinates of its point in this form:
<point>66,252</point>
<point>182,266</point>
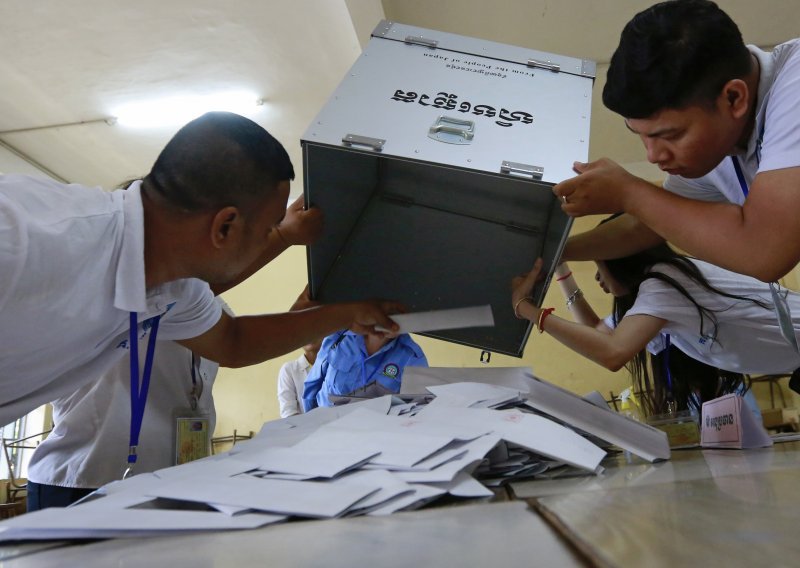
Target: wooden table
<point>701,508</point>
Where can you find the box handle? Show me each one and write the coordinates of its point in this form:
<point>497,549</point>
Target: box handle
<point>517,169</point>
<point>452,130</point>
<point>375,144</point>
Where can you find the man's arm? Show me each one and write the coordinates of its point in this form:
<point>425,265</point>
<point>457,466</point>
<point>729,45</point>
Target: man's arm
<point>623,236</point>
<point>760,238</point>
<point>247,340</point>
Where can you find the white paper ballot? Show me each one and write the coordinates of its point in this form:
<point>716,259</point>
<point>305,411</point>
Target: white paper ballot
<point>85,522</point>
<point>301,498</point>
<point>317,462</point>
<point>477,316</point>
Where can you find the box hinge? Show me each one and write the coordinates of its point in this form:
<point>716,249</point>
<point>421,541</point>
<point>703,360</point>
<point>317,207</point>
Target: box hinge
<point>544,65</point>
<point>521,170</point>
<point>419,40</point>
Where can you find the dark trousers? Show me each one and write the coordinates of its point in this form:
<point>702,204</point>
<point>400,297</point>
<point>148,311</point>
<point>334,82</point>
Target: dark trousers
<point>41,496</point>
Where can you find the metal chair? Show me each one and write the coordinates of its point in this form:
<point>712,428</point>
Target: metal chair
<point>229,439</point>
<point>774,382</point>
<point>11,447</point>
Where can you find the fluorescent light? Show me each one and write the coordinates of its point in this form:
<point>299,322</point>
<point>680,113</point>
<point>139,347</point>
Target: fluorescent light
<point>178,110</point>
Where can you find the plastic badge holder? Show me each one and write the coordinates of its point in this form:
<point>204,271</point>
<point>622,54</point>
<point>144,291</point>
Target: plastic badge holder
<point>681,428</point>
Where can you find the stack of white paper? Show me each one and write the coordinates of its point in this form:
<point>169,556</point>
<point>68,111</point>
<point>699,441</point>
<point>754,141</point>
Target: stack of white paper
<point>373,457</point>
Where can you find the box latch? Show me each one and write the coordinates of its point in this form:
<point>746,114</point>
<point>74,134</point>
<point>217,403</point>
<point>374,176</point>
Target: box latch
<point>521,170</point>
<point>375,144</point>
<point>452,130</point>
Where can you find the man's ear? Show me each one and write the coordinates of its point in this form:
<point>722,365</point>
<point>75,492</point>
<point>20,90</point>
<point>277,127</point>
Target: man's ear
<point>226,226</point>
<point>735,98</point>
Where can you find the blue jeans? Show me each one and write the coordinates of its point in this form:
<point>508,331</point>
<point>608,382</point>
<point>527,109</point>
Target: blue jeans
<point>41,496</point>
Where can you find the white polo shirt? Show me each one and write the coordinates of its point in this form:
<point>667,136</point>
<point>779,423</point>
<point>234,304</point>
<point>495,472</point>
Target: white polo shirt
<point>71,271</point>
<point>748,338</point>
<point>89,445</point>
<point>291,382</point>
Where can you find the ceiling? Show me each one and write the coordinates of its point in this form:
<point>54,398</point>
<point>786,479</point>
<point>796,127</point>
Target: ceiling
<point>66,62</point>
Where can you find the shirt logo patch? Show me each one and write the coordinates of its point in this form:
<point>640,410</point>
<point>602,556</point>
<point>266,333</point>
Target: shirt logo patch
<point>391,370</point>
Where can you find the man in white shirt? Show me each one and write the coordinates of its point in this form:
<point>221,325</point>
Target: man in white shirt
<point>89,442</point>
<point>83,271</point>
<point>721,119</point>
<point>292,378</point>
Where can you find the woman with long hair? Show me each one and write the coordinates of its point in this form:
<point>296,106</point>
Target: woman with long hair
<point>717,317</point>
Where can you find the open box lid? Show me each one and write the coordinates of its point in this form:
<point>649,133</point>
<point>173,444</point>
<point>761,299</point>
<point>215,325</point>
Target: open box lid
<point>443,213</point>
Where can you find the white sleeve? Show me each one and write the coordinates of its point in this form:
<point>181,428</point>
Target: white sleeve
<point>287,397</point>
<point>194,313</point>
<point>658,299</point>
<point>781,144</point>
<point>13,248</point>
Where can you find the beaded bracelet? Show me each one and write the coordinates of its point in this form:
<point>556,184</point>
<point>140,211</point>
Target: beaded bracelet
<point>543,316</point>
<point>574,297</point>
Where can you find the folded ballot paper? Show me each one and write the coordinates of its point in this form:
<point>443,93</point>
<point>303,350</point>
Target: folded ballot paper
<point>438,320</point>
<point>577,413</point>
<point>451,431</point>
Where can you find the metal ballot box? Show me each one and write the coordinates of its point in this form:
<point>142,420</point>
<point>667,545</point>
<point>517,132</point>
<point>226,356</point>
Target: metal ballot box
<point>433,163</point>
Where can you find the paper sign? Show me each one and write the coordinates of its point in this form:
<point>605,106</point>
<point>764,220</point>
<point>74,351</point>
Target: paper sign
<point>726,425</point>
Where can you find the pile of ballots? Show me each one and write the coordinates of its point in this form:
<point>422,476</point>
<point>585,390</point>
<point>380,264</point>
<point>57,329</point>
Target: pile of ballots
<point>451,431</point>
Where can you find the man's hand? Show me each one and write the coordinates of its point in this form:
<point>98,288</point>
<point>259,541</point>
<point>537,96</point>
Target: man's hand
<point>600,187</point>
<point>300,226</point>
<point>367,315</point>
<point>304,301</point>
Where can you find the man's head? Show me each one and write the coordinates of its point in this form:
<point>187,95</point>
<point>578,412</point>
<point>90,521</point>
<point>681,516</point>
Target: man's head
<point>216,160</point>
<point>681,77</point>
<point>673,55</point>
<point>227,179</point>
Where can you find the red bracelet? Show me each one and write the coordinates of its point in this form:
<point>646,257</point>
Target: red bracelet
<point>567,275</point>
<point>543,316</point>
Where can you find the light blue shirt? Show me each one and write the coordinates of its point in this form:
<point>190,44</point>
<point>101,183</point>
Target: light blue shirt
<point>342,366</point>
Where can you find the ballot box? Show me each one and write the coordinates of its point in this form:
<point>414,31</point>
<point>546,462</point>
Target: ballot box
<point>433,163</point>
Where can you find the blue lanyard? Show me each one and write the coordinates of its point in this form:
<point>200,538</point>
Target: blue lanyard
<point>740,176</point>
<point>139,394</point>
<point>197,388</point>
<point>666,366</point>
<point>738,167</point>
<point>782,310</point>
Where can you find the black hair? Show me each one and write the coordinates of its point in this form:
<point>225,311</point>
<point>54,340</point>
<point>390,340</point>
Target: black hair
<point>216,160</point>
<point>672,55</point>
<point>631,271</point>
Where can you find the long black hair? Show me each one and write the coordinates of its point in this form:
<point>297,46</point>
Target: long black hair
<point>684,380</point>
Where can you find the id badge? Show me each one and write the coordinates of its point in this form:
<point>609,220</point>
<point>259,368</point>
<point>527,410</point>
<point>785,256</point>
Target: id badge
<point>192,438</point>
